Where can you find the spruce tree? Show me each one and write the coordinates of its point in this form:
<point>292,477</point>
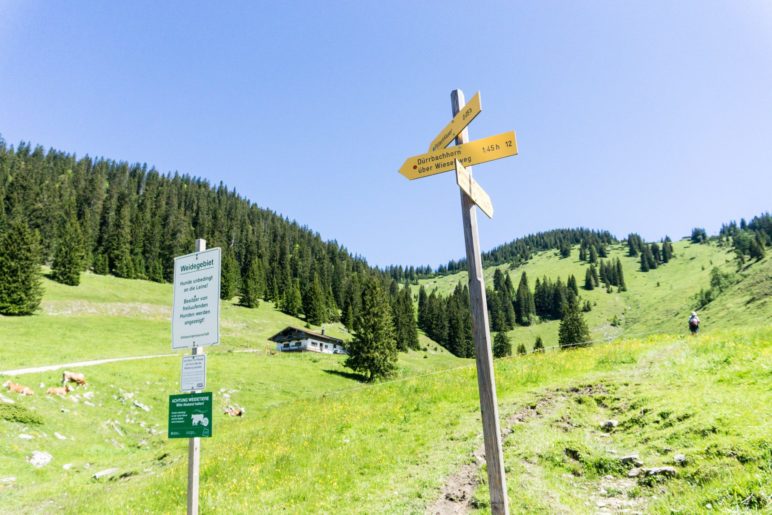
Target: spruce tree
<point>406,332</point>
<point>250,285</point>
<point>292,300</point>
<point>502,346</point>
<point>422,300</point>
<point>571,284</point>
<point>589,283</point>
<point>521,350</point>
<point>573,329</point>
<point>314,302</point>
<point>229,275</point>
<point>620,276</point>
<point>525,306</point>
<point>538,345</point>
<point>69,255</point>
<point>593,255</point>
<point>373,350</point>
<point>20,288</point>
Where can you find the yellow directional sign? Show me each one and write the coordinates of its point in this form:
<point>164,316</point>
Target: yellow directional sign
<point>473,190</point>
<point>457,124</point>
<point>472,153</point>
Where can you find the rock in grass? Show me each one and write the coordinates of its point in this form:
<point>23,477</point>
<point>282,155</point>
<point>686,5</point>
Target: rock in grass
<point>105,473</point>
<point>141,406</point>
<point>39,459</point>
<point>631,459</point>
<point>634,472</point>
<point>680,460</point>
<point>661,471</point>
<point>609,425</point>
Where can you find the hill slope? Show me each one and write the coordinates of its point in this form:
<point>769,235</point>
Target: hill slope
<point>657,301</point>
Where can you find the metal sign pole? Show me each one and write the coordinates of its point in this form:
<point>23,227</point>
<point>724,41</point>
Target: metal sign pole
<point>494,456</point>
<point>194,444</point>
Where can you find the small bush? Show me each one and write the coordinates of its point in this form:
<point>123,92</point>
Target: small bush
<point>20,414</point>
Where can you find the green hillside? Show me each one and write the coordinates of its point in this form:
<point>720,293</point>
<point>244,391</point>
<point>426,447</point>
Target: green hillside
<point>407,445</point>
<point>657,301</point>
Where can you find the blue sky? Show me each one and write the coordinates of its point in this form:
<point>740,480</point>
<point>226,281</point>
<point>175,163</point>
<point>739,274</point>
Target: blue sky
<point>652,116</point>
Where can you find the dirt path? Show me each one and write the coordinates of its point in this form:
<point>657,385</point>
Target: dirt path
<point>608,497</point>
<point>457,494</point>
<point>77,364</point>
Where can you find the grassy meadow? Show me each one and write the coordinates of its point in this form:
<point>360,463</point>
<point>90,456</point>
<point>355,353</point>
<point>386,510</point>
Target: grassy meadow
<point>314,439</point>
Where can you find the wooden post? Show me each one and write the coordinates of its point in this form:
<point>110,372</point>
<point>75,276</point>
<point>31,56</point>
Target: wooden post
<point>194,444</point>
<point>494,456</point>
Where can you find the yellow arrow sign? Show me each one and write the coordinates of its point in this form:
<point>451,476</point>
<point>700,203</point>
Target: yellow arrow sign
<point>457,124</point>
<point>472,153</point>
<point>473,190</point>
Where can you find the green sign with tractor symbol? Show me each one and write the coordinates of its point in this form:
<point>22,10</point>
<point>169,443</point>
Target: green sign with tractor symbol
<point>190,415</point>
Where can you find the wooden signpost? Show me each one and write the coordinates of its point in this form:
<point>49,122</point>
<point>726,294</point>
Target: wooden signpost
<point>460,158</point>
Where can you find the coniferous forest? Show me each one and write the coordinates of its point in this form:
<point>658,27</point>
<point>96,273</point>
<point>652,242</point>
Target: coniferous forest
<point>130,221</point>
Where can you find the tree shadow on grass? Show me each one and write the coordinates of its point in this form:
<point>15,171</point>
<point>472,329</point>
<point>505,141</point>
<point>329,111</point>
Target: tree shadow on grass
<point>348,375</point>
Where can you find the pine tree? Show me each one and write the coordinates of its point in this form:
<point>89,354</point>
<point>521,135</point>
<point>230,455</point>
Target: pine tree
<point>229,276</point>
<point>521,350</point>
<point>406,331</point>
<point>589,283</point>
<point>314,302</point>
<point>644,262</point>
<point>292,300</point>
<point>20,288</point>
<point>373,350</point>
<point>422,298</point>
<point>69,255</point>
<point>667,250</point>
<point>593,255</point>
<point>538,345</point>
<point>756,249</point>
<point>525,305</point>
<point>502,346</point>
<point>620,276</point>
<point>250,285</point>
<point>571,284</point>
<point>508,310</point>
<point>573,329</point>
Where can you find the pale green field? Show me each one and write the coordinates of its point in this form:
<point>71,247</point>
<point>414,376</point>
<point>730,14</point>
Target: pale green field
<point>317,442</point>
<point>107,317</point>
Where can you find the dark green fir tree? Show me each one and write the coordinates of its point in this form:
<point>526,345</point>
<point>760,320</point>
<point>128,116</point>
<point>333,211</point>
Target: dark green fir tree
<point>69,255</point>
<point>502,347</point>
<point>20,288</point>
<point>373,350</point>
<point>251,287</point>
<point>573,331</point>
<point>229,275</point>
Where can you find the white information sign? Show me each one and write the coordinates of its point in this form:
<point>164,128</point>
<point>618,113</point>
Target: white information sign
<point>196,308</point>
<point>193,372</point>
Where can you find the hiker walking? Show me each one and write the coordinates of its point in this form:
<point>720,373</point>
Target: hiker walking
<point>694,323</point>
